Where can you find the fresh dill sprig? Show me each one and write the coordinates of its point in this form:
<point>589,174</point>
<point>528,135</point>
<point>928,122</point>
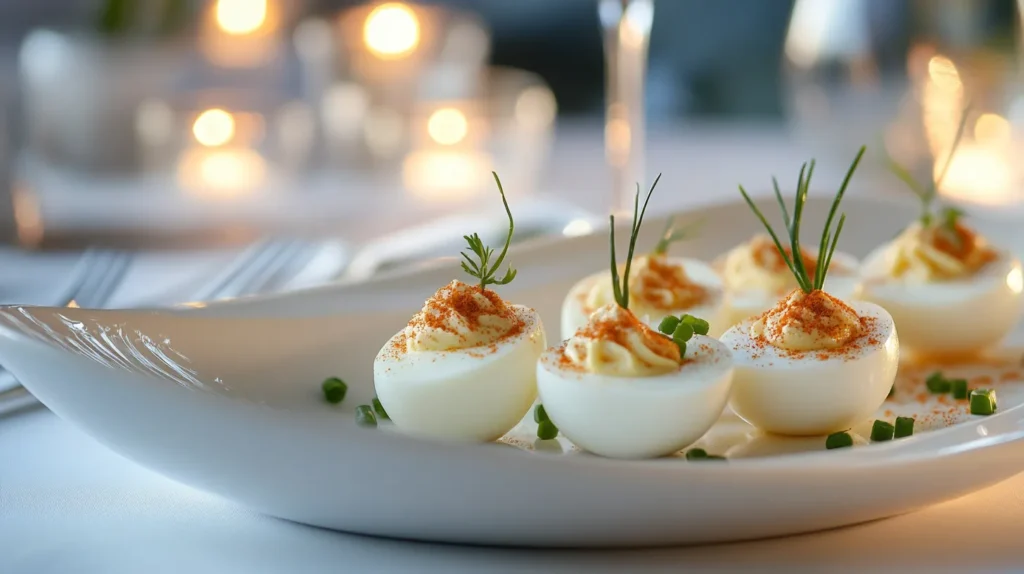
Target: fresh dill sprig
<point>927,194</point>
<point>829,240</point>
<point>621,287</point>
<point>482,268</point>
<point>672,234</point>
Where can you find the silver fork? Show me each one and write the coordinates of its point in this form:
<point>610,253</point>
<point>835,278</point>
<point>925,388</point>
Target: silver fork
<point>251,272</point>
<point>101,274</point>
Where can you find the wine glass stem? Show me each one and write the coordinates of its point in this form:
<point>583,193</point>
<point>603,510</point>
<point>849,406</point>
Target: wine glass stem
<point>627,28</point>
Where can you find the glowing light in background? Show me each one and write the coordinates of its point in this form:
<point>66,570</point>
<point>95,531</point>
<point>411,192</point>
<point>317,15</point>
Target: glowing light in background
<point>978,174</point>
<point>942,102</point>
<point>447,126</point>
<point>536,108</point>
<point>240,17</point>
<point>444,175</point>
<point>992,129</point>
<point>391,30</point>
<point>214,127</point>
<point>222,172</point>
<point>618,136</point>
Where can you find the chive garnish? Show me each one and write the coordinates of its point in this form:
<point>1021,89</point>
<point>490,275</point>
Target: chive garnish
<point>904,427</point>
<point>829,239</point>
<point>882,431</point>
<point>673,234</point>
<point>926,194</point>
<point>540,414</point>
<point>700,326</point>
<point>621,287</point>
<point>668,324</point>
<point>838,440</point>
<point>546,430</point>
<point>983,402</point>
<point>938,384</point>
<point>959,387</point>
<point>379,409</point>
<point>365,417</point>
<point>696,453</point>
<point>334,390</point>
<point>483,269</point>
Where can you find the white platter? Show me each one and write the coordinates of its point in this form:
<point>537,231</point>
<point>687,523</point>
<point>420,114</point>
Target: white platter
<point>226,398</point>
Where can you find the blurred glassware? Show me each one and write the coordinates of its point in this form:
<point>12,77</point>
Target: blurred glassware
<point>627,29</point>
<point>855,76</point>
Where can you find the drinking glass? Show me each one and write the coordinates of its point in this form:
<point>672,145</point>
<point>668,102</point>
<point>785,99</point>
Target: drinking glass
<point>627,29</point>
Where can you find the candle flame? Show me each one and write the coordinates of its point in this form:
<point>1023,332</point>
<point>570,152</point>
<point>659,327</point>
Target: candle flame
<point>240,17</point>
<point>391,30</point>
<point>447,126</point>
<point>214,127</point>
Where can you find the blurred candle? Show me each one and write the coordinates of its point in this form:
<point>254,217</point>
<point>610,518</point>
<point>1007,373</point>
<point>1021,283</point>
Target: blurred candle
<point>241,33</point>
<point>391,31</point>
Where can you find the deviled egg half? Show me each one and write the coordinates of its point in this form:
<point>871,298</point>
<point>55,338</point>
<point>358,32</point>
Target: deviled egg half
<point>464,368</point>
<point>659,286</point>
<point>618,388</point>
<point>756,277</point>
<point>939,268</point>
<point>812,364</point>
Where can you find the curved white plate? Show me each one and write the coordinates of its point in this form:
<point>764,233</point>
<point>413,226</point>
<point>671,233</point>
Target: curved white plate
<point>226,398</point>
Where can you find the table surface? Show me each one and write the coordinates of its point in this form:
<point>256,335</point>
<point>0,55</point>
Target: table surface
<point>67,504</point>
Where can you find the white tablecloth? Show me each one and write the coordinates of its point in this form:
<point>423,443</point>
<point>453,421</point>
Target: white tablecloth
<point>68,505</point>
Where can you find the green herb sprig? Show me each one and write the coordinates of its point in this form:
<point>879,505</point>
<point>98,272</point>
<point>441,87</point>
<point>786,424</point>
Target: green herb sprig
<point>673,234</point>
<point>482,268</point>
<point>621,287</point>
<point>829,240</point>
<point>927,194</point>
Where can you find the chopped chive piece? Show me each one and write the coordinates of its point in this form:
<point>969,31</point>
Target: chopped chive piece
<point>892,391</point>
<point>379,409</point>
<point>838,440</point>
<point>959,387</point>
<point>983,402</point>
<point>668,324</point>
<point>539,414</point>
<point>696,453</point>
<point>365,417</point>
<point>682,333</point>
<point>937,384</point>
<point>904,427</point>
<point>334,390</point>
<point>882,431</point>
<point>547,430</point>
<point>682,347</point>
<point>700,326</point>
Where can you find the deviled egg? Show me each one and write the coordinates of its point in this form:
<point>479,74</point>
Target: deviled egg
<point>464,368</point>
<point>756,276</point>
<point>659,286</point>
<point>812,364</point>
<point>939,268</point>
<point>618,388</point>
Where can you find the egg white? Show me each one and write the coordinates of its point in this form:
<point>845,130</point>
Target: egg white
<point>801,394</point>
<point>742,304</point>
<point>575,315</point>
<point>474,394</point>
<point>637,417</point>
<point>959,316</point>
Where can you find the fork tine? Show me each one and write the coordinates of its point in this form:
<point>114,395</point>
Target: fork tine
<point>238,268</point>
<point>263,278</point>
<point>112,280</point>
